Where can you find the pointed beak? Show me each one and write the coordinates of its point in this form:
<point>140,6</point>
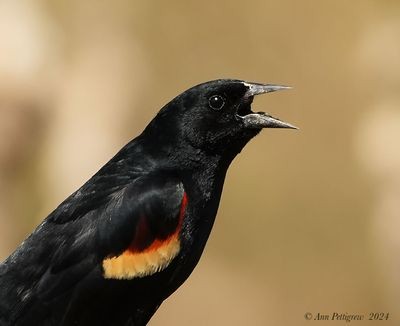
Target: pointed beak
<point>261,120</point>
<point>256,89</point>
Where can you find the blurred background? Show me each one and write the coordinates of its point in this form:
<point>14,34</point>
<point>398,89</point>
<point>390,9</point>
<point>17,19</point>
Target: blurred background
<point>309,220</point>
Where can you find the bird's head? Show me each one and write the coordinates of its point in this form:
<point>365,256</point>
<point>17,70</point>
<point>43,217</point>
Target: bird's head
<point>216,116</point>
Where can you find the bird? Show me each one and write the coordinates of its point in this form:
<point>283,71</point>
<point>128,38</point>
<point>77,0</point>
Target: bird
<point>120,245</point>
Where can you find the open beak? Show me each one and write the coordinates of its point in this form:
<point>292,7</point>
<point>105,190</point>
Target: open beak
<point>260,119</point>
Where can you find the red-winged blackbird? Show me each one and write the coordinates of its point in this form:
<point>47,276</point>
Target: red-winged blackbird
<point>130,236</point>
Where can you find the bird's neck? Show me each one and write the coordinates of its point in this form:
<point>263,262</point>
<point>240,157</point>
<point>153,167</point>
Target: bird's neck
<point>202,168</point>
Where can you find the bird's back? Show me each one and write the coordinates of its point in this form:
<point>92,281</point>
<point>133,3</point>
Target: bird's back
<point>47,274</point>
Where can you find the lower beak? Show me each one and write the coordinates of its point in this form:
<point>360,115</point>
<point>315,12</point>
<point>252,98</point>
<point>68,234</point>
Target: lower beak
<point>262,120</point>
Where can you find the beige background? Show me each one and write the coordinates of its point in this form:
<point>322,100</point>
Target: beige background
<point>309,220</point>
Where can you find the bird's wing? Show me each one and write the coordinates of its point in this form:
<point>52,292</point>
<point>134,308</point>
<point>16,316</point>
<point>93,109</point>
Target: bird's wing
<point>144,237</point>
<point>134,234</point>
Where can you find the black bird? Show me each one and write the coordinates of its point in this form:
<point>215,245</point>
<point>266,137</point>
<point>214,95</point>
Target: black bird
<point>114,250</point>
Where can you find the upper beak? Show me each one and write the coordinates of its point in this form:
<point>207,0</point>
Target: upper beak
<point>256,89</point>
<point>261,119</point>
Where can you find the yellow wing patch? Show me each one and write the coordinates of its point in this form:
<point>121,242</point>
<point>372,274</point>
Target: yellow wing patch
<point>130,264</point>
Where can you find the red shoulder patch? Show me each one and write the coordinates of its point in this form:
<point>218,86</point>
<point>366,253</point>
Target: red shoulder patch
<point>136,262</point>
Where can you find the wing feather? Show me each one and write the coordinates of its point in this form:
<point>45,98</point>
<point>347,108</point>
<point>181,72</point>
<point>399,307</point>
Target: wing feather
<point>139,221</point>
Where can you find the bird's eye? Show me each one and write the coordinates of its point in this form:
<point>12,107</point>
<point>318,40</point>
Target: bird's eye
<point>216,102</point>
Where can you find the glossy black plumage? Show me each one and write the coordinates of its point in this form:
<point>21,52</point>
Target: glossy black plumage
<point>155,201</point>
